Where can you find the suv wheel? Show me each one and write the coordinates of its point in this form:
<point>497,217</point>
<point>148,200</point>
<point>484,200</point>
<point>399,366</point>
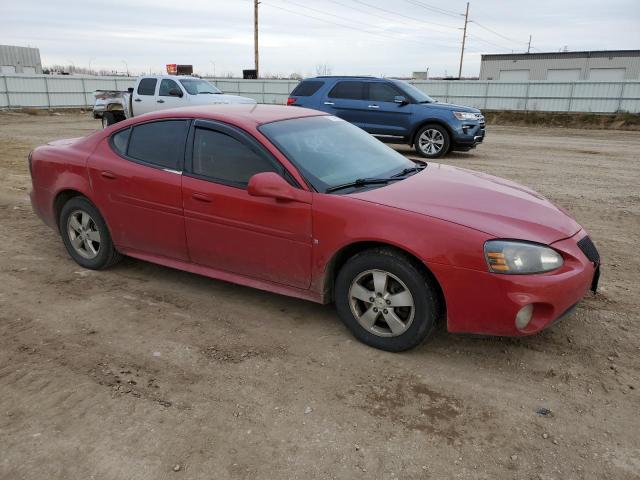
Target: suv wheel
<point>86,236</point>
<point>432,141</point>
<point>385,301</point>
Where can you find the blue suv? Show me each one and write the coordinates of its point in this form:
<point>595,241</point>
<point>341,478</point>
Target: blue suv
<point>394,111</point>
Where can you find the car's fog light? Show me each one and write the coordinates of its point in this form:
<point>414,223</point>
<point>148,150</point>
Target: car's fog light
<point>524,316</point>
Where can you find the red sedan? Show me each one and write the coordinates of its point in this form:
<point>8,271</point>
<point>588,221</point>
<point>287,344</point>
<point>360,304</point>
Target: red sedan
<point>301,203</point>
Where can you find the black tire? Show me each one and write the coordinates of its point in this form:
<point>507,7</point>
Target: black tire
<point>108,119</point>
<point>106,254</point>
<point>425,299</point>
<point>431,152</point>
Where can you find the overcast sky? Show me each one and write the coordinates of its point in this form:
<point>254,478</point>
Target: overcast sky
<point>380,37</point>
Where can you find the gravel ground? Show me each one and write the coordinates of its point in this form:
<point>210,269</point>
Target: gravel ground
<point>143,372</point>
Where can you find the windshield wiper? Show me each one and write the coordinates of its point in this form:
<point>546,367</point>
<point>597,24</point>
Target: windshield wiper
<point>361,182</point>
<point>408,170</point>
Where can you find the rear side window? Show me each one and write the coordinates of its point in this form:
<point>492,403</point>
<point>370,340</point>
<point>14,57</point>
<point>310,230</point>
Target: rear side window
<point>147,86</point>
<point>221,157</point>
<point>350,90</point>
<point>306,88</point>
<point>382,92</point>
<point>159,143</point>
<point>121,140</point>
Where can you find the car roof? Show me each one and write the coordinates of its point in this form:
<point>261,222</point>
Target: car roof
<point>341,77</point>
<point>242,115</point>
<point>173,77</point>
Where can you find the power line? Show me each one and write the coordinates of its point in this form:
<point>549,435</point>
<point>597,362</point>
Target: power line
<point>480,39</point>
<point>350,27</point>
<point>497,33</point>
<point>433,8</point>
<point>401,15</point>
<point>377,15</point>
<point>305,7</point>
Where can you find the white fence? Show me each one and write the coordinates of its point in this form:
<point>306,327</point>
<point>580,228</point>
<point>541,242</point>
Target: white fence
<point>45,91</point>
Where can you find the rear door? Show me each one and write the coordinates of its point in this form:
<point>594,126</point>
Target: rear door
<point>144,96</point>
<point>136,177</point>
<point>383,116</point>
<point>228,229</point>
<point>347,100</point>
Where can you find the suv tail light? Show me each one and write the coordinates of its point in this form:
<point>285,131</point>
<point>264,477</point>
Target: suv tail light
<point>291,101</point>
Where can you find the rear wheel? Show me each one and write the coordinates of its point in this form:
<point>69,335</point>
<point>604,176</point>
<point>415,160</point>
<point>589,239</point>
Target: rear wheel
<point>86,236</point>
<point>385,300</point>
<point>109,118</point>
<point>432,141</point>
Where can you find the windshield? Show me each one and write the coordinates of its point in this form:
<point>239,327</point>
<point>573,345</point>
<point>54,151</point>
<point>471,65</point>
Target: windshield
<point>195,87</point>
<point>329,151</point>
<point>414,92</point>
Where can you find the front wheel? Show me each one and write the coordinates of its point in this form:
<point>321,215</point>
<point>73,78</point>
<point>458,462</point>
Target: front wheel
<point>432,141</point>
<point>385,300</point>
<point>86,236</point>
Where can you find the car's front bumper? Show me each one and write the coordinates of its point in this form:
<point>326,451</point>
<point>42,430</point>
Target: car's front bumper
<point>468,135</point>
<point>487,303</point>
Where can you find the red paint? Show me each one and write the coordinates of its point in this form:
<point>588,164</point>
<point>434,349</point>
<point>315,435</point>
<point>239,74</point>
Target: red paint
<point>283,239</point>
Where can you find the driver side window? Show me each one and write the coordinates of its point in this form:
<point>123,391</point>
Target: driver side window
<point>166,85</point>
<point>221,157</point>
<point>382,92</point>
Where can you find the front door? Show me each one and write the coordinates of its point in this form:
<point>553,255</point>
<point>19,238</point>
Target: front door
<point>383,116</point>
<point>167,97</point>
<point>135,174</point>
<point>228,229</point>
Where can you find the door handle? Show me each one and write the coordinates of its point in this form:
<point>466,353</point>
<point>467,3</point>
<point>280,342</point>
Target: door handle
<point>201,197</point>
<point>108,174</point>
<point>138,100</point>
<point>160,101</point>
<point>329,103</point>
<point>374,106</point>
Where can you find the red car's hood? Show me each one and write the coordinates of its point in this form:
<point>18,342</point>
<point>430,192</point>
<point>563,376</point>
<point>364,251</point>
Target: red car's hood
<point>483,202</point>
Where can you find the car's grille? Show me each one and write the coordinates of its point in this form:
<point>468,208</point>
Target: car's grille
<point>480,118</point>
<point>589,249</point>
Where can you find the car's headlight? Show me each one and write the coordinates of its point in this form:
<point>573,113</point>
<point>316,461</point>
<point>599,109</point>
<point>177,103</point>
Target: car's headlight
<point>511,257</point>
<point>465,115</point>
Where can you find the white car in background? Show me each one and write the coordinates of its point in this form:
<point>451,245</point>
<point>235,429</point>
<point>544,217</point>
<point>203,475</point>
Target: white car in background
<point>158,92</point>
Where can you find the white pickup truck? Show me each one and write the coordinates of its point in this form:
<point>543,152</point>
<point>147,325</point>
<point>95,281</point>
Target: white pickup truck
<point>157,92</point>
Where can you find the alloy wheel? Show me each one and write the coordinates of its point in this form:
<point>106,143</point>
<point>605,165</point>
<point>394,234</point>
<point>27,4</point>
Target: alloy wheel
<point>381,303</point>
<point>83,234</point>
<point>431,141</point>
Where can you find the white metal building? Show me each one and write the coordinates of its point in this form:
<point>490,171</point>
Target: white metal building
<point>24,60</point>
<point>606,65</point>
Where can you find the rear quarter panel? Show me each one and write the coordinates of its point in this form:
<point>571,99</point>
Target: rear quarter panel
<point>58,167</point>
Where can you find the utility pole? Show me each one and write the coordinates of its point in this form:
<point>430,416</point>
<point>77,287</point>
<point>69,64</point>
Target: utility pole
<point>464,38</point>
<point>255,36</point>
<point>529,46</point>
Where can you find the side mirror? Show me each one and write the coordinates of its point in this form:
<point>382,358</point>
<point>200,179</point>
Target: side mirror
<point>272,185</point>
<point>400,99</point>
<point>174,92</point>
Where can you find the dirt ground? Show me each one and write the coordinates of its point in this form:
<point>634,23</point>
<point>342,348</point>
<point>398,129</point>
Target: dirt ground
<point>139,371</point>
